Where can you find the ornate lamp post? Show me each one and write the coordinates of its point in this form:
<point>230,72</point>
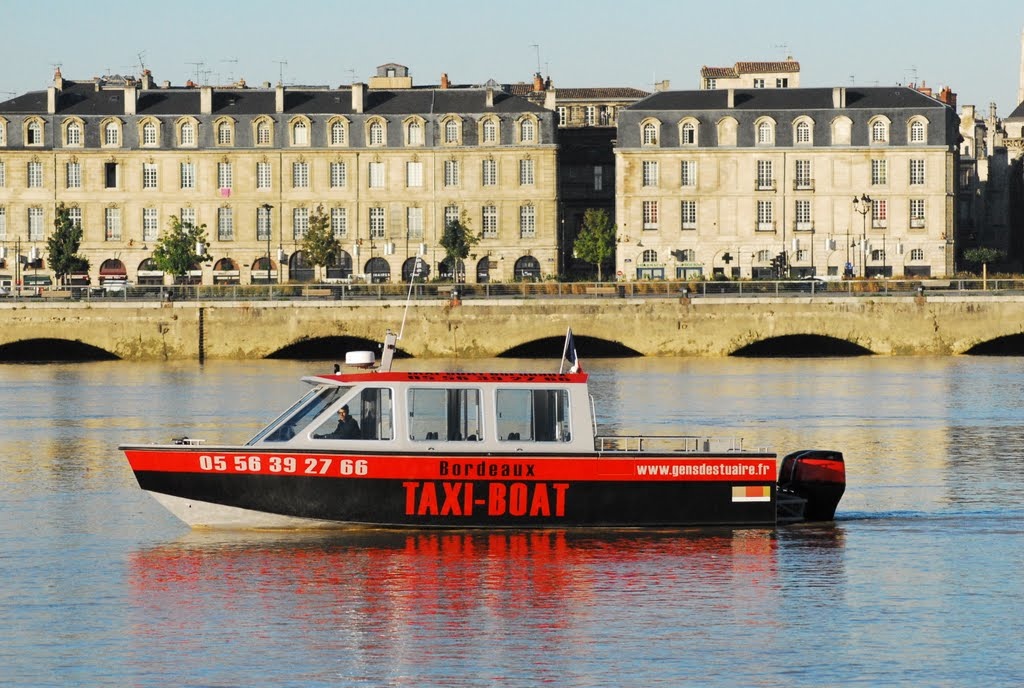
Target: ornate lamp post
<point>863,206</point>
<point>266,207</point>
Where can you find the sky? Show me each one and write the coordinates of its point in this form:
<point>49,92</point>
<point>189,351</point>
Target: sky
<point>975,51</point>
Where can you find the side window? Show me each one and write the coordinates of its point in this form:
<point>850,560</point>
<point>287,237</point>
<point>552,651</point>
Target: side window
<point>451,415</point>
<point>308,410</point>
<point>368,416</point>
<point>534,415</point>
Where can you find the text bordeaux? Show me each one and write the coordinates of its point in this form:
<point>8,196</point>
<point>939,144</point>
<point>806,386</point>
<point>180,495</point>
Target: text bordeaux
<point>535,499</point>
<point>486,469</point>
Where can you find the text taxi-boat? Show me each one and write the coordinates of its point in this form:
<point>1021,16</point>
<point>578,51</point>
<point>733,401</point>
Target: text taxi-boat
<point>451,449</point>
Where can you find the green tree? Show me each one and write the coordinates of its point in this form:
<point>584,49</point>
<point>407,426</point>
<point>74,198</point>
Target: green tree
<point>176,253</point>
<point>596,241</point>
<point>983,255</point>
<point>63,244</point>
<point>319,244</point>
<point>457,240</point>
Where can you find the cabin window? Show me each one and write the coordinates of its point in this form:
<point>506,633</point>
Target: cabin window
<point>301,414</point>
<point>533,415</point>
<point>451,415</point>
<point>371,413</point>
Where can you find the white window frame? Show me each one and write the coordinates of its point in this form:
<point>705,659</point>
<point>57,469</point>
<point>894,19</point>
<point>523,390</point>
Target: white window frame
<point>765,216</point>
<point>649,174</point>
<point>802,214</point>
<point>339,175</point>
<point>300,175</point>
<point>150,224</point>
<point>917,172</point>
<point>339,222</point>
<point>527,221</point>
<point>225,224</point>
<point>765,175</point>
<point>375,176</point>
<point>264,175</point>
<point>879,172</point>
<point>225,175</point>
<point>688,214</point>
<point>451,173</point>
<point>489,172</point>
<point>35,224</point>
<point>688,174</point>
<point>414,222</point>
<point>414,174</point>
<point>918,208</point>
<point>149,175</point>
<point>526,177</point>
<point>112,224</point>
<point>72,175</point>
<point>377,222</point>
<point>300,222</point>
<point>650,214</point>
<point>489,222</point>
<point>187,175</point>
<point>879,213</point>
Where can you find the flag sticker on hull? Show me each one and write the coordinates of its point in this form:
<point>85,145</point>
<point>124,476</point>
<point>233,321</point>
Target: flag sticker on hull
<point>752,493</point>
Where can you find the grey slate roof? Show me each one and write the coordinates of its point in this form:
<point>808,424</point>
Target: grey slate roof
<point>875,98</point>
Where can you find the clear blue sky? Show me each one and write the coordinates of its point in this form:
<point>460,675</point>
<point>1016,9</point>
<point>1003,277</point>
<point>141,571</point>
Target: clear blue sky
<point>974,50</point>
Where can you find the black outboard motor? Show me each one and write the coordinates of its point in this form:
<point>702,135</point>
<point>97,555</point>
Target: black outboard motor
<point>817,476</point>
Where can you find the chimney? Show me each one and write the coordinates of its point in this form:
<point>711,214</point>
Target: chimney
<point>538,83</point>
<point>166,83</point>
<point>489,102</point>
<point>549,99</point>
<point>662,85</point>
<point>206,100</point>
<point>58,80</point>
<point>947,96</point>
<point>444,81</point>
<point>147,80</point>
<point>839,97</point>
<point>130,98</point>
<point>730,98</point>
<point>358,97</point>
<point>279,99</point>
<point>51,99</point>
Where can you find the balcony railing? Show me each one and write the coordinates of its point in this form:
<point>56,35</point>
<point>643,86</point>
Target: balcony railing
<point>803,184</point>
<point>762,184</point>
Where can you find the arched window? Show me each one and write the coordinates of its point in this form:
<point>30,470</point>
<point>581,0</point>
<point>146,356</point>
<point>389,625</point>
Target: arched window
<point>149,134</point>
<point>688,135</point>
<point>188,134</point>
<point>527,268</point>
<point>650,134</point>
<point>111,134</point>
<point>803,132</point>
<point>490,131</point>
<point>917,131</point>
<point>263,133</point>
<point>527,131</point>
<point>649,256</point>
<point>338,137</point>
<point>74,134</point>
<point>451,131</point>
<point>378,271</point>
<point>34,134</point>
<point>300,134</point>
<point>415,135</point>
<point>879,131</point>
<point>224,133</point>
<point>376,134</point>
<point>917,254</point>
<point>765,133</point>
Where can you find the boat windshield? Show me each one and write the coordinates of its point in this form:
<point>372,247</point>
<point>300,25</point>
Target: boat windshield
<point>302,413</point>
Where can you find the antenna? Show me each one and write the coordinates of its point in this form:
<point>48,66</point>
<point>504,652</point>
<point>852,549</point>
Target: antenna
<point>231,73</point>
<point>351,74</point>
<point>536,46</point>
<point>197,65</point>
<point>784,47</point>
<point>142,64</point>
<point>280,71</point>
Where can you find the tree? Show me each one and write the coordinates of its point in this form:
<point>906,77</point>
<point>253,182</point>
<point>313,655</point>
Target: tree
<point>319,244</point>
<point>983,255</point>
<point>176,253</point>
<point>457,240</point>
<point>63,244</point>
<point>596,241</point>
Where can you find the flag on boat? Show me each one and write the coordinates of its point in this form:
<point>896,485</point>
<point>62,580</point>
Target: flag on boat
<point>569,354</point>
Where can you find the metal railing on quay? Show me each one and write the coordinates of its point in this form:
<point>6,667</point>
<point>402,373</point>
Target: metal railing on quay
<point>433,291</point>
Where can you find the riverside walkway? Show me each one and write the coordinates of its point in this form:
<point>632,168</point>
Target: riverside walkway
<point>938,317</point>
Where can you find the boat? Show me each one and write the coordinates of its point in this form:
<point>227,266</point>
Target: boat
<point>375,447</point>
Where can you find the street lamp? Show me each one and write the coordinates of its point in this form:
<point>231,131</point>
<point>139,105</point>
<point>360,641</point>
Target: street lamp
<point>863,206</point>
<point>266,207</point>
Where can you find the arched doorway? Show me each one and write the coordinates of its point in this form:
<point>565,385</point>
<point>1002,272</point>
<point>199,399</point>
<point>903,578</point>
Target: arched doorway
<point>410,265</point>
<point>299,270</point>
<point>340,266</point>
<point>527,268</point>
<point>483,270</point>
<point>378,271</point>
<point>445,271</point>
<point>225,271</point>
<point>263,271</point>
<point>149,273</point>
<point>112,269</point>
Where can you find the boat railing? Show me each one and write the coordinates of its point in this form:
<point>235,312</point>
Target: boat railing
<point>696,444</point>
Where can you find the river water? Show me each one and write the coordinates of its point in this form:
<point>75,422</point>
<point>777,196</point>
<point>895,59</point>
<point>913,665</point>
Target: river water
<point>919,582</point>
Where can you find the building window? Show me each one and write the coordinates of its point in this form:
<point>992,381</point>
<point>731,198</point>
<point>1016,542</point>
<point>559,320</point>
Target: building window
<point>339,222</point>
<point>562,119</point>
<point>112,224</point>
<point>376,223</point>
<point>188,134</point>
<point>263,175</point>
<point>339,175</point>
<point>376,134</point>
<point>75,215</point>
<point>650,173</point>
<point>803,175</point>
<point>111,174</point>
<point>917,254</point>
<point>803,215</point>
<point>489,173</point>
<point>451,131</point>
<point>35,175</point>
<point>300,222</point>
<point>111,134</point>
<point>688,213</point>
<point>224,176</point>
<point>758,83</point>
<point>451,172</point>
<point>3,174</point>
<point>376,175</point>
<point>765,174</point>
<point>649,256</point>
<point>598,178</point>
<point>917,132</point>
<point>263,133</point>
<point>879,173</point>
<point>338,137</point>
<point>34,134</point>
<point>490,130</point>
<point>451,214</point>
<point>879,216</point>
<point>149,175</point>
<point>224,134</point>
<point>300,134</point>
<point>527,131</point>
<point>415,134</point>
<point>710,84</point>
<point>527,222</point>
<point>490,222</point>
<point>35,224</point>
<point>414,222</point>
<point>300,175</point>
<point>650,134</point>
<point>688,173</point>
<point>187,171</point>
<point>3,223</point>
<point>589,115</point>
<point>879,132</point>
<point>765,216</point>
<point>765,135</point>
<point>73,175</point>
<point>782,82</point>
<point>148,134</point>
<point>225,224</point>
<point>74,134</point>
<point>263,223</point>
<point>414,175</point>
<point>650,213</point>
<point>526,172</point>
<point>150,225</point>
<point>803,132</point>
<point>917,172</point>
<point>688,135</point>
<point>188,217</point>
<point>917,213</point>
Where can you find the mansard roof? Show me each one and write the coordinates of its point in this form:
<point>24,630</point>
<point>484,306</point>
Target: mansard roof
<point>1018,113</point>
<point>876,98</point>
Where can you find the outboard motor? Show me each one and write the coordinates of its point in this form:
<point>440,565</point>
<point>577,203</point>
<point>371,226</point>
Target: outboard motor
<point>817,476</point>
